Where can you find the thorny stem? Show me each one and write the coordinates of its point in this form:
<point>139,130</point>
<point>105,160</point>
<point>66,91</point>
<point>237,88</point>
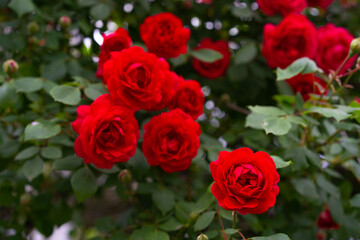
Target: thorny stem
<point>237,108</point>
<point>221,223</point>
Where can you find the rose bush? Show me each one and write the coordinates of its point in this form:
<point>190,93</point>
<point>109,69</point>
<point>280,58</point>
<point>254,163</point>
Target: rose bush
<point>178,120</point>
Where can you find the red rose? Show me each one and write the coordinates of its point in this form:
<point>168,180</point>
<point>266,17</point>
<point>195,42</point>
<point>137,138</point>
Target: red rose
<point>114,42</point>
<point>164,35</point>
<point>284,7</point>
<point>139,80</point>
<point>245,182</point>
<point>306,84</point>
<point>108,133</point>
<point>189,98</point>
<point>171,141</point>
<point>215,69</point>
<point>333,48</point>
<point>325,220</point>
<point>320,3</point>
<point>293,38</point>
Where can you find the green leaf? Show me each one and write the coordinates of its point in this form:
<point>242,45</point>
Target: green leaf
<point>86,3</point>
<point>267,110</point>
<point>279,162</point>
<point>22,7</point>
<point>41,129</point>
<point>163,199</point>
<point>206,55</point>
<point>230,231</point>
<point>51,152</point>
<point>183,210</point>
<point>203,203</point>
<point>92,93</point>
<point>327,186</point>
<point>142,233</point>
<point>138,162</point>
<point>246,54</point>
<point>67,163</point>
<point>330,112</point>
<point>158,235</point>
<point>297,120</point>
<point>171,225</point>
<point>83,183</point>
<point>255,120</point>
<point>303,65</point>
<point>306,188</point>
<point>100,11</point>
<point>277,126</point>
<point>204,221</point>
<point>279,236</point>
<point>27,153</point>
<point>336,209</point>
<point>355,201</point>
<point>28,84</point>
<point>105,224</point>
<point>66,94</point>
<point>33,168</point>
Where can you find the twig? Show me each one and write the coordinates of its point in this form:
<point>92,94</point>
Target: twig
<point>221,223</point>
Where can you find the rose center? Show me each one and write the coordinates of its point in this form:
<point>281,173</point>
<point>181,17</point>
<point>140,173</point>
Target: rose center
<point>110,135</point>
<point>139,74</point>
<point>117,46</point>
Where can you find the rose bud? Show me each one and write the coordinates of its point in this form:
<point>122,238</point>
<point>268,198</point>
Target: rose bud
<point>10,66</point>
<point>202,237</point>
<point>65,22</point>
<point>25,199</point>
<point>125,176</point>
<point>325,220</point>
<point>33,27</point>
<point>355,46</point>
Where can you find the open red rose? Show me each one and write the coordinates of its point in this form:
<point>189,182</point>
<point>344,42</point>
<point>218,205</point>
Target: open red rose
<point>245,181</point>
<point>325,220</point>
<point>171,141</point>
<point>215,69</point>
<point>189,98</point>
<point>165,35</point>
<point>333,48</point>
<point>108,133</point>
<point>293,38</point>
<point>139,80</point>
<point>320,3</point>
<point>306,84</point>
<point>284,7</point>
<point>114,42</point>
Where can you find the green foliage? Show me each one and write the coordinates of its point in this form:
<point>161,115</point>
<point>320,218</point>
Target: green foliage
<point>43,184</point>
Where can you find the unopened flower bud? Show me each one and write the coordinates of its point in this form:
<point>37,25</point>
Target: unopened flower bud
<point>65,22</point>
<point>10,66</point>
<point>125,176</point>
<point>355,46</point>
<point>202,237</point>
<point>33,27</point>
<point>25,199</point>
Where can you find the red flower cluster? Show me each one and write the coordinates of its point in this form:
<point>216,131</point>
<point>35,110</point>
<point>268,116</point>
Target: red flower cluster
<point>296,37</point>
<point>286,7</point>
<point>108,131</point>
<point>245,181</point>
<point>217,68</point>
